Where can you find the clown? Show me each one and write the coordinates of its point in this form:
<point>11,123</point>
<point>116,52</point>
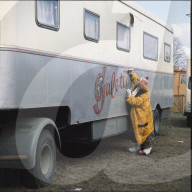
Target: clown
<point>141,113</point>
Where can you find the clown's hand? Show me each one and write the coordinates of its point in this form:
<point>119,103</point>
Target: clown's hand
<point>130,72</point>
<point>128,93</point>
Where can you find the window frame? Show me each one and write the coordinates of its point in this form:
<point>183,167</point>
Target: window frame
<point>166,44</point>
<point>39,24</point>
<point>84,17</point>
<point>145,33</point>
<point>119,48</point>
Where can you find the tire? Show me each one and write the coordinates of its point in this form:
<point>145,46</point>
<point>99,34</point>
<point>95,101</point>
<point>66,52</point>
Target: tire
<point>45,166</point>
<point>156,122</point>
<point>189,123</point>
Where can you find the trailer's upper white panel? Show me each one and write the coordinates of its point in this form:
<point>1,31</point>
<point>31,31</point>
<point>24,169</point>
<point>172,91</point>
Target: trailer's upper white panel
<point>18,29</point>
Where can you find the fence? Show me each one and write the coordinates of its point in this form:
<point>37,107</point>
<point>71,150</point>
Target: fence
<point>178,103</point>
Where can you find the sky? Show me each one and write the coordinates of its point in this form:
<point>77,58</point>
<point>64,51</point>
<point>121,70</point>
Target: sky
<point>174,13</point>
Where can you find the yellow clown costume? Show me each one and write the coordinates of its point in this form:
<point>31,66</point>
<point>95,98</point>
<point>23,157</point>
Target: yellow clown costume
<point>141,113</point>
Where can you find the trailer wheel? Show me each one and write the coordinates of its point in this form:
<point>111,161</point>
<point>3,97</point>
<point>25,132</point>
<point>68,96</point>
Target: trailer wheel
<point>42,174</point>
<point>189,123</point>
<point>156,121</point>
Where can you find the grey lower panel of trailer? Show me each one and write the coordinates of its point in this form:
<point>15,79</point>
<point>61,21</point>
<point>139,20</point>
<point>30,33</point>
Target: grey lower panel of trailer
<point>108,127</point>
<point>92,91</point>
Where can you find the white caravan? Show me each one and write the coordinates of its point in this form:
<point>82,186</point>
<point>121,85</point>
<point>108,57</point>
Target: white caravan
<point>187,110</point>
<point>62,76</point>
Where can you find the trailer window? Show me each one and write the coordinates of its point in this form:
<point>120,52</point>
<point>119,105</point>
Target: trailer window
<point>167,52</point>
<point>123,37</point>
<point>150,46</point>
<point>47,14</point>
<point>91,26</point>
<point>183,79</point>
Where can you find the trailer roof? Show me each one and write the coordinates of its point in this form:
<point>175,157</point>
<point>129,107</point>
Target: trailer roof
<point>147,14</point>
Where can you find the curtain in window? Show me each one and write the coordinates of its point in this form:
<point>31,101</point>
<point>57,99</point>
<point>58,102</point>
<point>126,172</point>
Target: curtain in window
<point>123,37</point>
<point>150,47</point>
<point>47,12</point>
<point>91,26</point>
<point>167,52</point>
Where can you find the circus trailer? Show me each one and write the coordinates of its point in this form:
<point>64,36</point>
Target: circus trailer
<point>63,80</point>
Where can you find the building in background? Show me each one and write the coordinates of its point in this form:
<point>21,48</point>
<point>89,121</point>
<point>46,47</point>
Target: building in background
<point>179,89</point>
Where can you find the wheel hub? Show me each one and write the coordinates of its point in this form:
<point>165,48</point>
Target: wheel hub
<point>46,159</point>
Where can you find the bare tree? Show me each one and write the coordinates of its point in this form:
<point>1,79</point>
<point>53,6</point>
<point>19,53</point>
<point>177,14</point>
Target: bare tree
<point>179,55</point>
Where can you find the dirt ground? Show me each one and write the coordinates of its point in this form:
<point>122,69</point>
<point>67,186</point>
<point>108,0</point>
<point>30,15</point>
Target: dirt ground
<point>112,168</point>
